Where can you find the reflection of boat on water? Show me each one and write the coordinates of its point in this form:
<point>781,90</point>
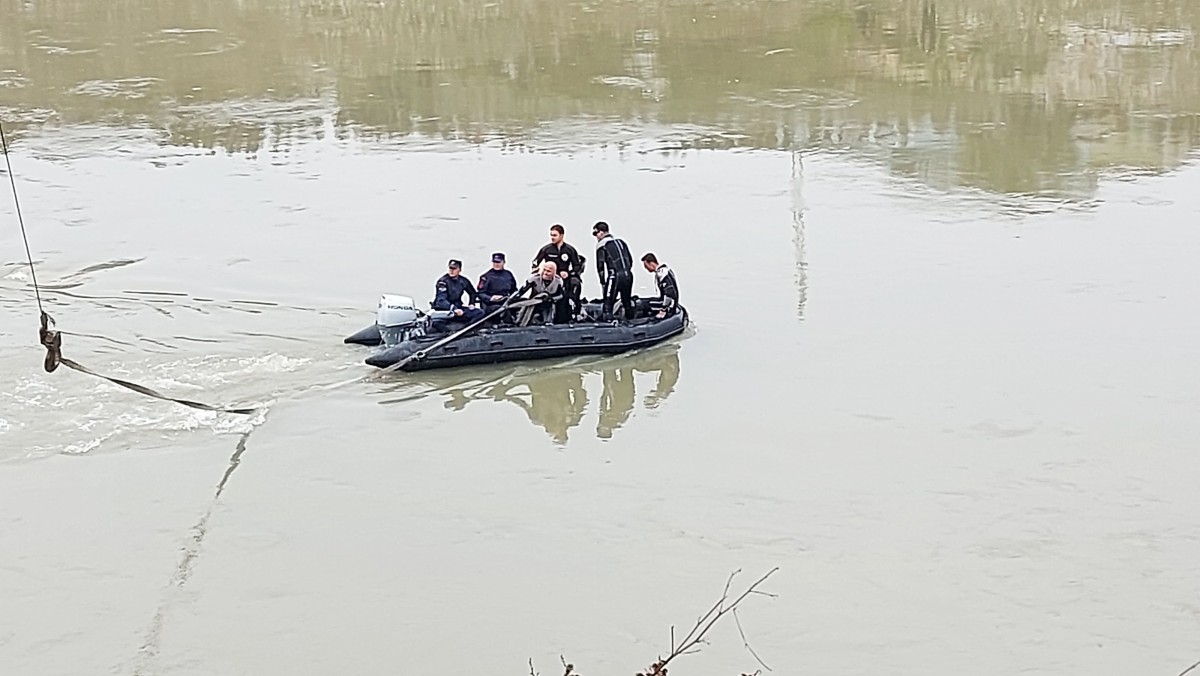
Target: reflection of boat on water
<point>557,398</point>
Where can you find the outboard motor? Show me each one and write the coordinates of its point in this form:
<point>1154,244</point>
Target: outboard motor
<point>398,319</point>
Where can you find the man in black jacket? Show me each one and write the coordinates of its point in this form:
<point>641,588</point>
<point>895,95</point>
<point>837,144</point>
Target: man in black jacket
<point>449,292</point>
<point>495,285</point>
<point>568,262</point>
<point>614,264</point>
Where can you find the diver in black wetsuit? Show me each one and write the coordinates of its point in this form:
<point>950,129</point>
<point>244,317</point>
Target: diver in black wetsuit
<point>668,289</point>
<point>614,265</point>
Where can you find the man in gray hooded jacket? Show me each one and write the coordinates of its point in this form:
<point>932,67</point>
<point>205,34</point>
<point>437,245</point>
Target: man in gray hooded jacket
<point>546,284</point>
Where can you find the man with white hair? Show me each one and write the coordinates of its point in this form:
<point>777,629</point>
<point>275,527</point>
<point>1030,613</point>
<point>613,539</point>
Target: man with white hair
<point>548,286</point>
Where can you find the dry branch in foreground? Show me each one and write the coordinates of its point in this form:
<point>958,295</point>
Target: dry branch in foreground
<point>691,643</point>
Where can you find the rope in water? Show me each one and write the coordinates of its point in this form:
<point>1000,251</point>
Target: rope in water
<point>52,340</point>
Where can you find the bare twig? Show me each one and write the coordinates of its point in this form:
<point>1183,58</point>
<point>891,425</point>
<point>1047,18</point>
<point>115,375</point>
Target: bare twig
<point>725,591</point>
<point>1197,664</point>
<point>721,612</point>
<point>690,639</point>
<point>738,621</point>
<point>695,637</point>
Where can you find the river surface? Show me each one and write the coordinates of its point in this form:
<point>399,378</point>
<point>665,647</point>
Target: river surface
<point>944,370</point>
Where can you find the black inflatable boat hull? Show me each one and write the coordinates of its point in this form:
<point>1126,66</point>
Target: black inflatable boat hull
<point>368,336</point>
<point>496,345</point>
<point>371,337</point>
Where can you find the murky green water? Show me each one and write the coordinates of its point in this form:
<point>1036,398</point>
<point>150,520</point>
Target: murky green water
<point>941,260</point>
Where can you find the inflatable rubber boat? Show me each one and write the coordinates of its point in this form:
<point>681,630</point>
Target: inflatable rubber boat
<point>415,340</point>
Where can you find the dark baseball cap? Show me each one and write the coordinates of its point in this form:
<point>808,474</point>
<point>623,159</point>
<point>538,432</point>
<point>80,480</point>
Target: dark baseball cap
<point>497,257</point>
<point>455,263</point>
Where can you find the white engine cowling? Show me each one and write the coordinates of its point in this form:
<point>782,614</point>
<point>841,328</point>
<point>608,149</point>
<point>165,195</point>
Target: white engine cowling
<point>396,311</point>
<point>397,318</point>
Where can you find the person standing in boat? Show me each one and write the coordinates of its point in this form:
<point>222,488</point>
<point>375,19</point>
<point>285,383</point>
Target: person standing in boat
<point>614,264</point>
<point>495,285</point>
<point>668,289</point>
<point>567,261</point>
<point>450,289</point>
<point>547,285</point>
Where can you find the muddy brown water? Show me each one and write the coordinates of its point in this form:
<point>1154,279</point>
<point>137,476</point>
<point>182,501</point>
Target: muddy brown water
<point>941,260</point>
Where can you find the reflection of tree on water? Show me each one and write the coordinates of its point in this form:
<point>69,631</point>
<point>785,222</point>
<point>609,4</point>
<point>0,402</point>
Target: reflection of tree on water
<point>1012,96</point>
<point>798,232</point>
<point>556,398</point>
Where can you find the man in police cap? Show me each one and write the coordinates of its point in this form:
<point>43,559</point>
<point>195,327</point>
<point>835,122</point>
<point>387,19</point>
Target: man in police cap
<point>495,285</point>
<point>450,289</point>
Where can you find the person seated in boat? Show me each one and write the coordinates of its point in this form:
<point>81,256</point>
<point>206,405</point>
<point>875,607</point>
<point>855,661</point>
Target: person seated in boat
<point>667,302</point>
<point>568,262</point>
<point>547,286</point>
<point>450,289</point>
<point>495,285</point>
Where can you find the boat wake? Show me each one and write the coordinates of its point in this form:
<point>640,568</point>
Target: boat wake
<point>67,413</point>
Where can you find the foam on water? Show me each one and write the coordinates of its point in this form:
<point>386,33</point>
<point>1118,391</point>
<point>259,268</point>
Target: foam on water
<point>95,416</point>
